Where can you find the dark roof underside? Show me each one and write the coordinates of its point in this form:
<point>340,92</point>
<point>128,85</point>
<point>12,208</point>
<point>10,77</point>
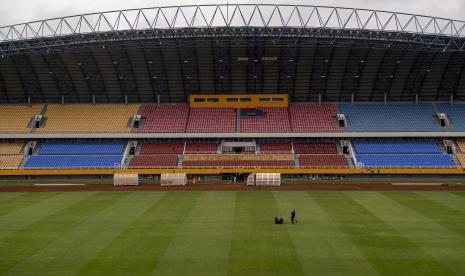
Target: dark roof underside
<point>173,68</point>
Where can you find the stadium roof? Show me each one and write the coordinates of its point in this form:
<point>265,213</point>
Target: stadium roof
<point>166,53</point>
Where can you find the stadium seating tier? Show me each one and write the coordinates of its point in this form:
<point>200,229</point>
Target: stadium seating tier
<point>212,120</point>
<point>390,117</point>
<point>154,161</point>
<point>73,161</point>
<point>192,148</point>
<point>11,148</point>
<point>162,148</point>
<point>315,148</point>
<point>456,114</point>
<point>167,118</point>
<point>323,161</point>
<point>239,163</point>
<point>275,148</point>
<point>81,148</point>
<point>15,118</point>
<point>313,118</point>
<point>405,161</point>
<point>273,120</point>
<point>396,146</point>
<point>10,161</point>
<point>84,118</point>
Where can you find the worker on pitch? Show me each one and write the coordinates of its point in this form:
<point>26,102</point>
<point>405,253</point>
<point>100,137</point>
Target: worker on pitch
<point>293,219</point>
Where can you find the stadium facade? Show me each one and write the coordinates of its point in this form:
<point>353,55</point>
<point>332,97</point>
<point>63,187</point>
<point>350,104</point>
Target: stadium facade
<point>211,89</point>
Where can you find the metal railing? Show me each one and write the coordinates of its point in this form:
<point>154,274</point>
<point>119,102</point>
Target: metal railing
<point>265,16</point>
<point>227,167</point>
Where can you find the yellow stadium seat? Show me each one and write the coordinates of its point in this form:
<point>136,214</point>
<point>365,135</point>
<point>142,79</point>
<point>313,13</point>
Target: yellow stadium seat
<point>10,148</point>
<point>461,145</point>
<point>10,161</point>
<point>15,118</point>
<point>84,118</point>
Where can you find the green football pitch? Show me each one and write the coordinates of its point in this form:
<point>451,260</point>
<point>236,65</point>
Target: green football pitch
<point>232,233</point>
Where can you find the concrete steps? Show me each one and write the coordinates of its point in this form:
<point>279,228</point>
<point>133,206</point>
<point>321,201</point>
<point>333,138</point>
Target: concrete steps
<point>296,161</point>
<point>180,161</point>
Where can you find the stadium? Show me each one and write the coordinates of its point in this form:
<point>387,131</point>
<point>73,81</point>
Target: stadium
<point>272,103</point>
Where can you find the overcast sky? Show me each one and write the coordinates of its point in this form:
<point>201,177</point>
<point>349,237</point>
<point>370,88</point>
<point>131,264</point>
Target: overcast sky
<point>19,11</point>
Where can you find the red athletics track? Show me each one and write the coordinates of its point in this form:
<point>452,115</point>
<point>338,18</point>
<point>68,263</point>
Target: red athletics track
<point>237,187</point>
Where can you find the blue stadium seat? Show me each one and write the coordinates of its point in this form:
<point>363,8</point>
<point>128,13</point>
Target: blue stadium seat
<point>70,161</point>
<point>81,148</point>
<point>456,114</point>
<point>390,117</point>
<point>404,161</point>
<point>396,146</point>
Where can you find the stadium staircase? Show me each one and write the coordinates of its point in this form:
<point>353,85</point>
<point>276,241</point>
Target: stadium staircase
<point>141,123</point>
<point>180,161</point>
<point>238,120</point>
<point>126,156</point>
<point>296,160</point>
<point>42,112</point>
<point>127,161</point>
<point>436,108</point>
<point>350,160</point>
<point>23,163</point>
<point>454,155</point>
<point>456,161</point>
<point>351,157</point>
<point>455,152</point>
<point>442,147</point>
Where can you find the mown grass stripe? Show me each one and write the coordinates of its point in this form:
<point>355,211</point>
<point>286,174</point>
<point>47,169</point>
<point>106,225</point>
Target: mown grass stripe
<point>321,246</point>
<point>389,251</point>
<point>39,207</point>
<point>19,201</point>
<point>462,194</point>
<point>259,247</point>
<point>67,254</point>
<point>27,241</point>
<point>451,218</point>
<point>203,240</point>
<point>138,249</point>
<point>7,196</point>
<point>433,238</point>
<point>451,200</point>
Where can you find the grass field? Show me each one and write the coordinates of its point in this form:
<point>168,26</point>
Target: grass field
<point>219,233</point>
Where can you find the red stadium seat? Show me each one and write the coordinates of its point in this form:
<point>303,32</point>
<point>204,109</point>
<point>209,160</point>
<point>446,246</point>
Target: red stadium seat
<point>276,148</point>
<point>193,148</point>
<point>167,118</point>
<point>162,148</point>
<point>212,120</point>
<point>313,118</point>
<point>275,119</point>
<point>323,161</point>
<point>315,148</point>
<point>154,161</point>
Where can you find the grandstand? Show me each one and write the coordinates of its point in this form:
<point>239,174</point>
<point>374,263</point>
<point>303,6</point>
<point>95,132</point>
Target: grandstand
<point>313,118</point>
<point>390,117</point>
<point>212,120</point>
<point>303,99</point>
<point>273,120</point>
<point>169,118</point>
<point>105,118</point>
<point>456,114</point>
<point>18,119</point>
